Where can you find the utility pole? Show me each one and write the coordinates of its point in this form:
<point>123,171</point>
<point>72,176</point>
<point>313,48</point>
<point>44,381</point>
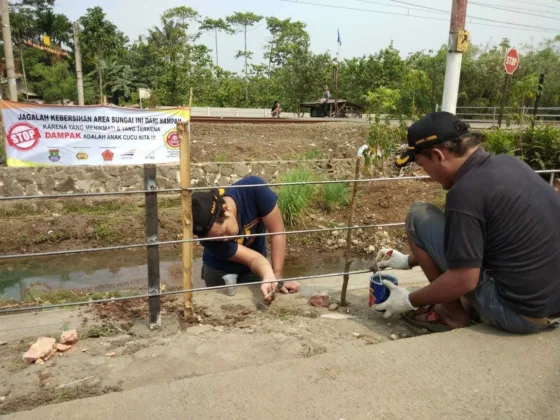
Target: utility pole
<point>79,74</point>
<point>454,56</point>
<point>9,52</point>
<point>246,76</point>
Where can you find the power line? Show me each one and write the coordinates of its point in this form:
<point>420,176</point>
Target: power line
<point>505,9</point>
<point>362,10</point>
<point>534,4</point>
<point>510,25</point>
<point>397,7</point>
<point>473,17</point>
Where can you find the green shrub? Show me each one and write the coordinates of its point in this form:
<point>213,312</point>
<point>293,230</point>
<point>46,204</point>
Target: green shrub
<point>541,147</point>
<point>294,200</point>
<point>335,195</point>
<point>500,141</point>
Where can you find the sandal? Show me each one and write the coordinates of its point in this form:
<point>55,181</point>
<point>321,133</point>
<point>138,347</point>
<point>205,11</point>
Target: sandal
<point>433,321</point>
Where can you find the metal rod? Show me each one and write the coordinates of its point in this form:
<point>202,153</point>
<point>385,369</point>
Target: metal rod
<point>174,292</point>
<point>181,241</point>
<point>152,251</point>
<point>279,184</point>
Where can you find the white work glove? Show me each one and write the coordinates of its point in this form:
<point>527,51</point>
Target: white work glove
<point>393,259</point>
<point>397,303</point>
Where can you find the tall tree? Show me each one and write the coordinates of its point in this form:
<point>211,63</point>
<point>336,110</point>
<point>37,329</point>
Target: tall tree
<point>242,21</point>
<point>216,25</point>
<point>54,83</point>
<point>99,38</point>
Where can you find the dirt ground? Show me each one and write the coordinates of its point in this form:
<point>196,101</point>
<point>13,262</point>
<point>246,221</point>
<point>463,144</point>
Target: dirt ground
<point>74,224</point>
<point>227,333</point>
<point>246,142</point>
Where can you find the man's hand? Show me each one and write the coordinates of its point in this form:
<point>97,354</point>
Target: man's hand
<point>267,290</point>
<point>393,259</point>
<point>290,287</point>
<point>397,303</point>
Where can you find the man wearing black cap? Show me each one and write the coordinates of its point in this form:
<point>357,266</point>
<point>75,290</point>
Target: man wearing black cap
<point>497,244</point>
<point>241,211</point>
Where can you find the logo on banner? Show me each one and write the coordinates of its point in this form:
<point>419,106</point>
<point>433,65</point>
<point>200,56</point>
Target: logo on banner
<point>81,155</point>
<point>23,136</point>
<point>107,155</point>
<point>128,155</point>
<point>172,139</point>
<point>54,155</point>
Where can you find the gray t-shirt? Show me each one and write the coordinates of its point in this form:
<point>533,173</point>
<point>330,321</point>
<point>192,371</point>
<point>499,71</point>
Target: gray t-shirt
<point>503,217</point>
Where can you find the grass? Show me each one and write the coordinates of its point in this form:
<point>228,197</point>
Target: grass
<point>440,201</point>
<point>32,295</point>
<point>97,208</point>
<point>335,196</point>
<point>294,200</point>
<point>105,232</point>
<point>220,158</point>
<point>47,396</point>
<point>104,330</point>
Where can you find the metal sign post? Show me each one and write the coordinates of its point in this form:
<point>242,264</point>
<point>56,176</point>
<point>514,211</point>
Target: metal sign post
<point>511,63</point>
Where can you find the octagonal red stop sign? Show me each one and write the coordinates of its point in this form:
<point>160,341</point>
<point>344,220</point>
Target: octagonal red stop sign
<point>511,61</point>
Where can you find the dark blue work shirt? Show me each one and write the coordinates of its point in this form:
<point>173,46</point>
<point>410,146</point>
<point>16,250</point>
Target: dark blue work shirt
<point>253,203</point>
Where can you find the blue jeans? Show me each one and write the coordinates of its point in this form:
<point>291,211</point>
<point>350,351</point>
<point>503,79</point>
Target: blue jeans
<point>426,224</point>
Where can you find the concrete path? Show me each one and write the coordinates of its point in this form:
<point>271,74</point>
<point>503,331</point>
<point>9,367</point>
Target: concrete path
<point>476,373</point>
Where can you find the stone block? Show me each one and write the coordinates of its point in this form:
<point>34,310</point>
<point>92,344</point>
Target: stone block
<point>41,348</point>
<point>69,337</point>
<point>226,170</point>
<point>320,300</point>
<point>211,168</point>
<point>241,170</point>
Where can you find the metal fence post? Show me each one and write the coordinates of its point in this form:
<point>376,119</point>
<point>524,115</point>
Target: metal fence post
<point>552,179</point>
<point>151,204</point>
<point>437,107</point>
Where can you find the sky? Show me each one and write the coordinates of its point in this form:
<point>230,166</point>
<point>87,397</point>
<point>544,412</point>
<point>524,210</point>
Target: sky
<point>365,26</point>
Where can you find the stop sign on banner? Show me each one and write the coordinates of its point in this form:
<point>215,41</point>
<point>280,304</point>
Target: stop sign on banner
<point>511,62</point>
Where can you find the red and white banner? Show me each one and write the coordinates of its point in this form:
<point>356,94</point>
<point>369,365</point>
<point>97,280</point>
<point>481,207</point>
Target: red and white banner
<point>49,135</point>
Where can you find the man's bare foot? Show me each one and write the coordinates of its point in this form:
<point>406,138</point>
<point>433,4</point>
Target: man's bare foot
<point>444,314</point>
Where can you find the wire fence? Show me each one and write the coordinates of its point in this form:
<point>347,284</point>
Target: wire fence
<point>154,243</point>
<point>207,188</point>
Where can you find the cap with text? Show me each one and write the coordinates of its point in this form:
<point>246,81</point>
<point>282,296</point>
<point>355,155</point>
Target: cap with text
<point>205,209</point>
<point>434,128</point>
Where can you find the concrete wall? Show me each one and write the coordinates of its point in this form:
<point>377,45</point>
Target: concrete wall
<point>74,179</point>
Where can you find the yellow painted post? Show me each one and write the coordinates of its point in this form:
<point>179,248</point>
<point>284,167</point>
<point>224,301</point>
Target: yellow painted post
<point>183,130</point>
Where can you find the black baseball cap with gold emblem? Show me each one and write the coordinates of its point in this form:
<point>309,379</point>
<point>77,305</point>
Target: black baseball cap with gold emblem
<point>206,208</point>
<point>434,128</point>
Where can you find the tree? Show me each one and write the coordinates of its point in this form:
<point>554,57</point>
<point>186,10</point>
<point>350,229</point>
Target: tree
<point>216,25</point>
<point>54,83</point>
<point>242,21</point>
<point>120,79</point>
<point>99,38</point>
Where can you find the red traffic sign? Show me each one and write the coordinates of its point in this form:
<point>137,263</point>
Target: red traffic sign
<point>511,61</point>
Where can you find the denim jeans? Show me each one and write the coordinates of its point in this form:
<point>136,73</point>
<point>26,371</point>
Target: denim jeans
<point>426,224</point>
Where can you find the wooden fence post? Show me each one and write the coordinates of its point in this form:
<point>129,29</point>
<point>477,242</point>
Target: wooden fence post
<point>347,260</point>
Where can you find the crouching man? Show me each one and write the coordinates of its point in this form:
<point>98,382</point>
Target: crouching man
<point>497,244</point>
<point>241,211</point>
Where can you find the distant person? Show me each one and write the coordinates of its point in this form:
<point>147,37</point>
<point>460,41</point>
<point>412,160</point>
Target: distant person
<point>241,211</point>
<point>276,109</point>
<point>325,100</point>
